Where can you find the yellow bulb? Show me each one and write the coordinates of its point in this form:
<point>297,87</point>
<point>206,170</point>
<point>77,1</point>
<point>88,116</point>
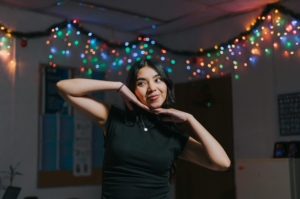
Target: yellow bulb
<point>208,65</point>
<point>235,67</point>
<point>285,33</point>
<point>262,27</point>
<point>272,32</point>
<point>278,34</point>
<point>2,28</point>
<point>213,70</point>
<point>216,47</point>
<point>202,63</point>
<point>201,49</point>
<point>257,44</point>
<point>233,46</point>
<point>292,53</point>
<point>276,11</point>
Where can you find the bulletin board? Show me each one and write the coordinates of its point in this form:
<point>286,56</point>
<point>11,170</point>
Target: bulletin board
<point>289,113</point>
<point>70,145</point>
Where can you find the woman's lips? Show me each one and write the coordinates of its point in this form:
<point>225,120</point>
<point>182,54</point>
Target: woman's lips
<point>154,97</point>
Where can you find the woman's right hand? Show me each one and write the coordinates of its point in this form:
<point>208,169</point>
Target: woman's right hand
<point>129,97</point>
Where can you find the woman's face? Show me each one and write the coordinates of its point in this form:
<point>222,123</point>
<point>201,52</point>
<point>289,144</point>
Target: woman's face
<point>150,89</point>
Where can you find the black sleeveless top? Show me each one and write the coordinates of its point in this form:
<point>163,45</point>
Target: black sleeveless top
<point>136,162</point>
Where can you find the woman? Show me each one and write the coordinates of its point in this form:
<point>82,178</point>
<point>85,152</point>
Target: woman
<point>142,142</point>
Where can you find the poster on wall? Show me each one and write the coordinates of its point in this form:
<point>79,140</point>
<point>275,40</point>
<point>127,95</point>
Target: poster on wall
<point>289,113</point>
<point>70,145</point>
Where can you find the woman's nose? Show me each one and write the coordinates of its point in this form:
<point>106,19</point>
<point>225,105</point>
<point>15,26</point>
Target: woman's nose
<point>151,87</point>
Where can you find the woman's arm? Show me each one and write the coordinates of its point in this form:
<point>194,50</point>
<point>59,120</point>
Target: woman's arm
<point>76,92</point>
<point>203,149</point>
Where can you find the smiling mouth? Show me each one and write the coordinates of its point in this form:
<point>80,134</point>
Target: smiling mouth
<point>155,97</point>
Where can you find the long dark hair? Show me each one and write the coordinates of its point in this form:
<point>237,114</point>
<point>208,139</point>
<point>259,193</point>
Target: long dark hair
<point>170,98</point>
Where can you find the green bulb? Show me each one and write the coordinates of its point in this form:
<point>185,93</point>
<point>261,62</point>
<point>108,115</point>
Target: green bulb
<point>221,66</point>
<point>173,61</point>
<point>150,51</point>
<point>102,65</point>
<point>145,45</point>
<point>148,56</point>
<point>63,52</point>
<point>128,67</point>
<point>76,42</point>
<point>127,50</point>
<point>208,55</point>
<point>138,59</point>
<point>59,33</point>
<point>50,56</point>
<point>84,61</point>
<point>170,70</point>
<point>236,76</point>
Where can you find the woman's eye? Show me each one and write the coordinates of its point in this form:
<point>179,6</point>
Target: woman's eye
<point>158,80</point>
<point>141,83</point>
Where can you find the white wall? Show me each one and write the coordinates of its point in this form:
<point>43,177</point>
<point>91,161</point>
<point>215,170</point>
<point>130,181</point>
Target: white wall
<point>254,95</point>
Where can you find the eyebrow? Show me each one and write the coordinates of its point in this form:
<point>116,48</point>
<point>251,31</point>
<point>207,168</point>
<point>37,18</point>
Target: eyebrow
<point>141,78</point>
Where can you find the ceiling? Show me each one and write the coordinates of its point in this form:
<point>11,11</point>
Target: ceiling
<point>149,17</point>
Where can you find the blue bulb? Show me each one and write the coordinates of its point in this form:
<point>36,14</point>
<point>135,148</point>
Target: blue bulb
<point>153,26</point>
<point>152,42</point>
<point>69,26</point>
<point>188,67</point>
<point>126,43</point>
<point>78,33</point>
<point>90,34</point>
<point>53,50</point>
<point>82,55</point>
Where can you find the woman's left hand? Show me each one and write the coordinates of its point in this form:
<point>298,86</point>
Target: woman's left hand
<point>172,115</point>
